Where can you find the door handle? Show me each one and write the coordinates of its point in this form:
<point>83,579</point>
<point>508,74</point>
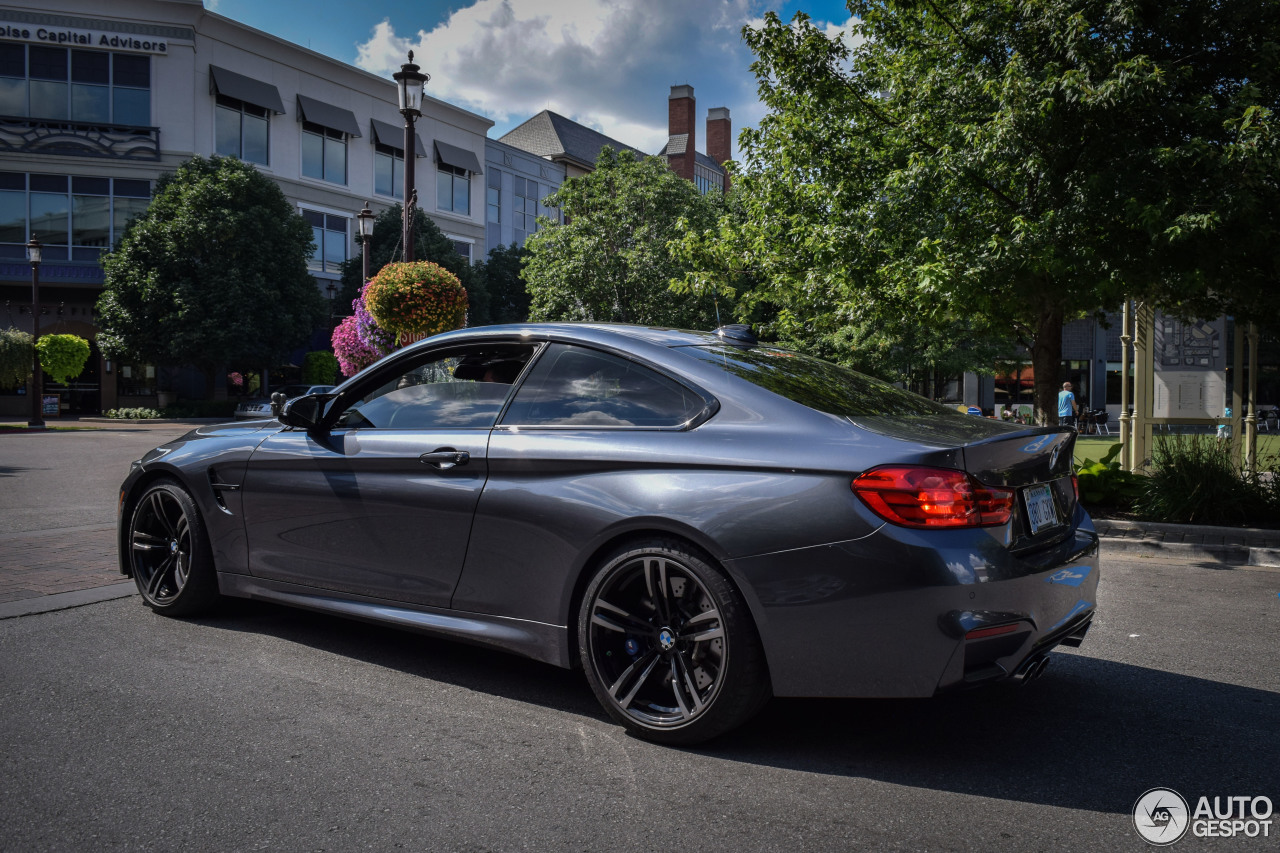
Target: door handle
<point>445,458</point>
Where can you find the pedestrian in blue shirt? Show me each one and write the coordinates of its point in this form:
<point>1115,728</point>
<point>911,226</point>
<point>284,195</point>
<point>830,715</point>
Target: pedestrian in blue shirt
<point>1067,406</point>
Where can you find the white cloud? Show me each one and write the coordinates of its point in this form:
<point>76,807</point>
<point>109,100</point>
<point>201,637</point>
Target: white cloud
<point>843,32</point>
<point>608,64</point>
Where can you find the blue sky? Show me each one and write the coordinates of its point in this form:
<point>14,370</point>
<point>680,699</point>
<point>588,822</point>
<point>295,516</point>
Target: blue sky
<point>609,64</point>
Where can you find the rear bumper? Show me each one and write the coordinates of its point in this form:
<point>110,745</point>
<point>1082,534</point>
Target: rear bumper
<point>894,614</point>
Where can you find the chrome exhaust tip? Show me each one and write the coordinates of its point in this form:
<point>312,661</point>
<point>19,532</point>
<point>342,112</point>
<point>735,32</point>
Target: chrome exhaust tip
<point>1033,669</point>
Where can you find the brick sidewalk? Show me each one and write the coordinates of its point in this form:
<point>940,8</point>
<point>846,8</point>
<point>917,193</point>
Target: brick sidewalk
<point>48,562</point>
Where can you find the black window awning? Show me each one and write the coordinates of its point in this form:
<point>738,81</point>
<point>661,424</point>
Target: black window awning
<point>459,158</point>
<point>389,134</point>
<point>242,88</point>
<point>327,115</point>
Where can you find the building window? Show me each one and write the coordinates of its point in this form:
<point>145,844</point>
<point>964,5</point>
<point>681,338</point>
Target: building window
<point>324,153</point>
<point>136,380</point>
<point>90,86</point>
<point>330,235</point>
<point>388,171</point>
<point>462,247</point>
<point>77,218</point>
<point>453,189</point>
<point>706,179</point>
<point>493,197</point>
<point>525,214</point>
<point>241,130</point>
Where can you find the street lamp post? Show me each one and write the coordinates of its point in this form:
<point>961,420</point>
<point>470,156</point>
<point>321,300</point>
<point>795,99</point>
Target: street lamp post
<point>34,251</point>
<point>364,221</point>
<point>411,81</point>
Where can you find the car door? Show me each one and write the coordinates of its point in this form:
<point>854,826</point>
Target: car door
<point>381,503</point>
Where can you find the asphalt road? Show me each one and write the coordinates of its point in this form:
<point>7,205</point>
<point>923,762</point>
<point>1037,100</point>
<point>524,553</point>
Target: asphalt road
<point>268,728</point>
<point>72,478</point>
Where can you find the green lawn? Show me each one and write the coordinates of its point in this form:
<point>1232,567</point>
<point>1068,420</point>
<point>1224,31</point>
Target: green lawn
<point>1094,447</point>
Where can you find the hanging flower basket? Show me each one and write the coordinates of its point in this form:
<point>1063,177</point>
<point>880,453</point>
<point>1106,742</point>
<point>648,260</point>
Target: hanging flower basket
<point>63,357</point>
<point>417,299</point>
<point>353,353</point>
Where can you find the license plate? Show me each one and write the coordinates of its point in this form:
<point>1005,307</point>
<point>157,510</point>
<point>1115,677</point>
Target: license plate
<point>1041,509</point>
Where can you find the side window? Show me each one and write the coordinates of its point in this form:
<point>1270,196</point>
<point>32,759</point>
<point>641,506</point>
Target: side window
<point>575,386</point>
<point>461,389</point>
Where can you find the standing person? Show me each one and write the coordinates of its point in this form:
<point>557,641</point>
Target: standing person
<point>1067,406</point>
<point>1224,428</point>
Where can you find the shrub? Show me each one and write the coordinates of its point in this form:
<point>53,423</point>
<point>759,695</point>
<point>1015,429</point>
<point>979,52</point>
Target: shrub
<point>1105,484</point>
<point>418,298</point>
<point>134,414</point>
<point>63,357</point>
<point>319,368</point>
<point>1194,480</point>
<point>15,358</point>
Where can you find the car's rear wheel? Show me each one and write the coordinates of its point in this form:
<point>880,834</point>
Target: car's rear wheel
<point>668,645</point>
<point>169,552</point>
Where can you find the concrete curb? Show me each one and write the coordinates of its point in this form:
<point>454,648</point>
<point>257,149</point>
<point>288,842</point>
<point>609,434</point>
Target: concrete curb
<point>65,600</point>
<point>1230,546</point>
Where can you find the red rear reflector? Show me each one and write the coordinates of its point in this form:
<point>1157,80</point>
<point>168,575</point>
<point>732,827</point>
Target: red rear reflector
<point>979,633</point>
<point>932,497</point>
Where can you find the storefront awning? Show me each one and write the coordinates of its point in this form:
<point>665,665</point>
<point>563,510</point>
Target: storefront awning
<point>389,134</point>
<point>327,115</point>
<point>242,88</point>
<point>459,158</point>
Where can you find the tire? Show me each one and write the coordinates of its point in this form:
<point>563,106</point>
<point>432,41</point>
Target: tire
<point>668,645</point>
<point>169,554</point>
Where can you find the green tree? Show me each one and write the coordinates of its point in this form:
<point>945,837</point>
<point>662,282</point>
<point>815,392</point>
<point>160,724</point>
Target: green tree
<point>17,358</point>
<point>504,280</point>
<point>214,272</point>
<point>429,244</point>
<point>992,170</point>
<point>610,260</point>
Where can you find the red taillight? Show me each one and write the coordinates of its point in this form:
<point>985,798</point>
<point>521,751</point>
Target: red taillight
<point>979,633</point>
<point>932,497</point>
<point>1075,485</point>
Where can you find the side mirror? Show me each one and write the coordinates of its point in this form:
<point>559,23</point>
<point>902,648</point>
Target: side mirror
<point>304,412</point>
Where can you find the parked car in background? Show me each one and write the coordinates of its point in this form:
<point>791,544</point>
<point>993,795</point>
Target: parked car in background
<point>696,520</point>
<point>260,407</point>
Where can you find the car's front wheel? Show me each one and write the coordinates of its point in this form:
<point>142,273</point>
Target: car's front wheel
<point>169,552</point>
<point>668,645</point>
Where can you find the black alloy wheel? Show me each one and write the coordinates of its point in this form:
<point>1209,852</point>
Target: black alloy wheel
<point>668,646</point>
<point>169,551</point>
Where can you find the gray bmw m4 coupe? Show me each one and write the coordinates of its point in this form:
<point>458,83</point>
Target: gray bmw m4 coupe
<point>697,520</point>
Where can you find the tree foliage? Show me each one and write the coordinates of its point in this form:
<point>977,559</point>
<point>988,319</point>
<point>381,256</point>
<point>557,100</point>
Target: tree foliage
<point>16,357</point>
<point>610,259</point>
<point>986,170</point>
<point>503,274</point>
<point>214,272</point>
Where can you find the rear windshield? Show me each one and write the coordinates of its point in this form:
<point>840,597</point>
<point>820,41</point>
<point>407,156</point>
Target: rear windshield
<point>817,384</point>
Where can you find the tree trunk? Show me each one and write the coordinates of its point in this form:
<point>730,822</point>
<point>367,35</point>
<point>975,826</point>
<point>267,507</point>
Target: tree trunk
<point>1046,359</point>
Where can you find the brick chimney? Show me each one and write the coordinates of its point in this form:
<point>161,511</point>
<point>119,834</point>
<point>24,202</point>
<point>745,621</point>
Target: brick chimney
<point>682,133</point>
<point>720,137</point>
